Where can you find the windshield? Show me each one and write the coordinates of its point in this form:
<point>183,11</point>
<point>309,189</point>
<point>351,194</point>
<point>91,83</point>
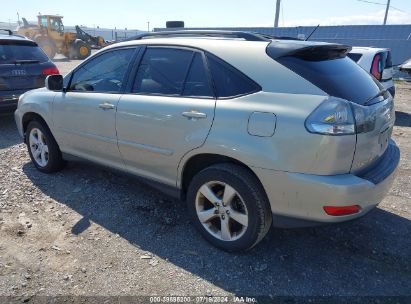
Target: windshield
<point>56,25</point>
<point>16,52</point>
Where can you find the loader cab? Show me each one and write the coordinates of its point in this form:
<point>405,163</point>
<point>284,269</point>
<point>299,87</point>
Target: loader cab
<point>49,23</point>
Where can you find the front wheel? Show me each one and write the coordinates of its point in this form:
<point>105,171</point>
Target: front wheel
<point>229,207</point>
<point>43,149</point>
<point>82,50</point>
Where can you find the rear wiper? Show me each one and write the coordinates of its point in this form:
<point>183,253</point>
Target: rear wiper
<point>25,61</point>
<point>380,93</point>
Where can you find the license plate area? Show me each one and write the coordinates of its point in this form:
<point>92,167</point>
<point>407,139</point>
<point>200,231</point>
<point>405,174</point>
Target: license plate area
<point>384,138</point>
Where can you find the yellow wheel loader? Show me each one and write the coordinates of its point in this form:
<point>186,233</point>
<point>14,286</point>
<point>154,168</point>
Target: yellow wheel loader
<point>50,36</point>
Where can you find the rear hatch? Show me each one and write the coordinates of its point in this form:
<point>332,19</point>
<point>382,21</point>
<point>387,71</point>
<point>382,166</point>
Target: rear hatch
<point>23,65</point>
<point>328,67</point>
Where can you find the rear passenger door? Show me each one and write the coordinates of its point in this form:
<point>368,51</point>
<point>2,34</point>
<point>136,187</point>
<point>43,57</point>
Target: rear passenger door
<point>168,112</point>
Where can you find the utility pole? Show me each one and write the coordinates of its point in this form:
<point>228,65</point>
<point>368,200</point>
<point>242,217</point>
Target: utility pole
<point>277,13</point>
<point>386,12</point>
<point>148,26</point>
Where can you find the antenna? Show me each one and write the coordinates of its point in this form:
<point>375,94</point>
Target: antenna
<point>306,39</point>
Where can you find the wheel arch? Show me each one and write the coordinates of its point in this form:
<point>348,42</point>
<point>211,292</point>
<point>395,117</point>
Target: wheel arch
<point>198,162</point>
<point>30,116</point>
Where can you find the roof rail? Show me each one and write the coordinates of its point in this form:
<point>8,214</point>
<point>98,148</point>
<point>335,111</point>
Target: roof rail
<point>7,30</point>
<point>201,33</point>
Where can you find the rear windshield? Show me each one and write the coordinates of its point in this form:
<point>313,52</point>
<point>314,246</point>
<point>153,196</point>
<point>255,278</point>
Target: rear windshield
<point>17,52</point>
<point>354,56</point>
<point>340,77</point>
<point>388,60</point>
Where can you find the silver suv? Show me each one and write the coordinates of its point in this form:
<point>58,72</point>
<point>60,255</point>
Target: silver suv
<point>250,131</point>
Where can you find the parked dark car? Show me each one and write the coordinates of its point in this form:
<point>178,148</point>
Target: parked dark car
<point>23,67</point>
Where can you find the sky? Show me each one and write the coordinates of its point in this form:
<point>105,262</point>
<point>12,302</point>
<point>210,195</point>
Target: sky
<point>134,14</point>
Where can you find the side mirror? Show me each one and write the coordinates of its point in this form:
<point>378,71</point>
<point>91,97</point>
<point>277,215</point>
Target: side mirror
<point>54,83</point>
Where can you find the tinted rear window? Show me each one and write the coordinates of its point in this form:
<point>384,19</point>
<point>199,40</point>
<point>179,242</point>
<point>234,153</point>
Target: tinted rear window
<point>340,77</point>
<point>228,81</point>
<point>388,60</point>
<point>163,71</point>
<point>14,51</point>
<point>354,56</point>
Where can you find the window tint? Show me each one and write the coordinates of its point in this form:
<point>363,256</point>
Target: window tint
<point>388,59</point>
<point>340,77</point>
<point>197,83</point>
<point>228,81</point>
<point>163,71</point>
<point>354,56</point>
<point>104,73</point>
<point>13,52</point>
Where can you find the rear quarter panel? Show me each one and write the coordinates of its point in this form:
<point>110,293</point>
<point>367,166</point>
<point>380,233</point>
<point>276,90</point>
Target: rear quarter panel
<point>291,148</point>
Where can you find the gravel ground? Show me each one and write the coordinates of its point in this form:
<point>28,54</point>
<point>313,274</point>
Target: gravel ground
<point>86,231</point>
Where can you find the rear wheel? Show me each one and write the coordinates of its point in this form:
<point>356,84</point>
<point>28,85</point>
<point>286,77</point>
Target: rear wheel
<point>43,149</point>
<point>229,207</point>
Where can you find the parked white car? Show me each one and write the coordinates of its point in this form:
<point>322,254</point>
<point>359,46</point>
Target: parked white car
<point>376,61</point>
<point>406,67</point>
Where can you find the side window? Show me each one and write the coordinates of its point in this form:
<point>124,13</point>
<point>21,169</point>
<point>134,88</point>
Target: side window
<point>162,71</point>
<point>197,83</point>
<point>228,81</point>
<point>43,22</point>
<point>104,74</point>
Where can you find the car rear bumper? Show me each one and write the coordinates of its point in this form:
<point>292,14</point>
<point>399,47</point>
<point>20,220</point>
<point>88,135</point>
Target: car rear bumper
<point>9,100</point>
<point>8,106</point>
<point>389,86</point>
<point>297,200</point>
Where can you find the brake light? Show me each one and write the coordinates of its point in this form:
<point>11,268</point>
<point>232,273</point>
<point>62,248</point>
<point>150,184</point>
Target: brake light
<point>333,117</point>
<point>341,210</point>
<point>51,71</point>
<point>376,67</point>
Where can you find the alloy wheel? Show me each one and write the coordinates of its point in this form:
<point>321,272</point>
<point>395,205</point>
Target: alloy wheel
<point>38,147</point>
<point>221,211</point>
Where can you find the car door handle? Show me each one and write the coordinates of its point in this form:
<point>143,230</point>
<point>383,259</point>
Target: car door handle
<point>194,115</point>
<point>106,106</point>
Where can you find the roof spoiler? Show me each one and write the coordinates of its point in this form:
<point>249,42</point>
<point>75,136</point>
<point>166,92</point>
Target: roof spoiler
<point>308,51</point>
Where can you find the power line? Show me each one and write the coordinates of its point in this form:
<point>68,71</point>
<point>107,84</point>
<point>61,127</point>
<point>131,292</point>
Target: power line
<point>384,4</point>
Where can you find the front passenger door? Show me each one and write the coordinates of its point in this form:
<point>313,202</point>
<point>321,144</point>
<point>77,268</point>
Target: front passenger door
<point>85,115</point>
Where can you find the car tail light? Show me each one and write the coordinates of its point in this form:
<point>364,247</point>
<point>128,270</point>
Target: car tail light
<point>341,210</point>
<point>333,117</point>
<point>337,116</point>
<point>377,67</point>
<point>51,71</point>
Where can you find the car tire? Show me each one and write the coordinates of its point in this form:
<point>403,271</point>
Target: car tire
<point>82,49</point>
<point>43,148</point>
<point>246,215</point>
